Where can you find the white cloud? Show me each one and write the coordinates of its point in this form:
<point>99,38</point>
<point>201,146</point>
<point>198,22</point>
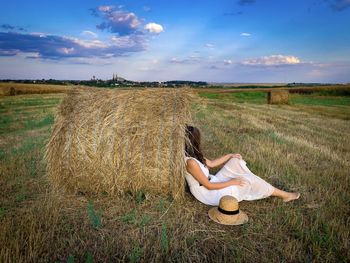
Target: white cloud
<point>147,9</point>
<point>118,21</point>
<point>245,34</point>
<point>209,45</point>
<point>39,34</point>
<point>273,60</point>
<point>154,28</point>
<point>88,43</point>
<point>177,61</point>
<point>89,34</point>
<point>186,60</point>
<point>105,8</point>
<point>65,50</point>
<point>227,61</point>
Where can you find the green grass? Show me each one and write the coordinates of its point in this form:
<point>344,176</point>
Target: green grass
<point>164,241</point>
<point>95,217</point>
<point>136,254</point>
<point>145,220</point>
<point>31,124</point>
<point>130,217</point>
<point>323,100</point>
<point>302,146</point>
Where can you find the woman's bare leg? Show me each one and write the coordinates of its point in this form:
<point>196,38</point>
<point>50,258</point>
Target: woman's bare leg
<point>286,196</point>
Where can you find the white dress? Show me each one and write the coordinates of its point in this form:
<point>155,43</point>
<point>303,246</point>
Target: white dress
<point>254,187</point>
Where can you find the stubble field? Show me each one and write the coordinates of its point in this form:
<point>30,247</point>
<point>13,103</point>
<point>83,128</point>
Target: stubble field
<point>303,146</point>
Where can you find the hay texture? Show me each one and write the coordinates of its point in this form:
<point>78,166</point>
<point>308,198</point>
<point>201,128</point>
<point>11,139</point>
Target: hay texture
<point>115,141</point>
<point>278,97</point>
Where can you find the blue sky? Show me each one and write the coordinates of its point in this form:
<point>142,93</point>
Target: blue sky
<point>215,41</point>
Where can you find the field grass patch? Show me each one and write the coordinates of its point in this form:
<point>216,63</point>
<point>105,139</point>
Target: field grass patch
<point>313,99</point>
<point>94,216</point>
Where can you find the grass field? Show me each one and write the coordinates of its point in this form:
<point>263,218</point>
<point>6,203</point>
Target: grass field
<point>303,146</point>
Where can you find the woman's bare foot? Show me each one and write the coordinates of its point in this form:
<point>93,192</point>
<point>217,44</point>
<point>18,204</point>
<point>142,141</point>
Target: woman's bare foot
<point>291,197</point>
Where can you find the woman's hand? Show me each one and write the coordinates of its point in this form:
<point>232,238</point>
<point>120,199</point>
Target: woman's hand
<point>238,181</point>
<point>236,155</point>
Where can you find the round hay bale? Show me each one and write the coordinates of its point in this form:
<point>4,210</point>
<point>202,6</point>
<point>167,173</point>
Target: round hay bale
<point>278,97</point>
<point>12,91</point>
<point>114,141</point>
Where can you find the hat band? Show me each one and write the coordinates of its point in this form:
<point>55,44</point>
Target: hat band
<point>235,212</point>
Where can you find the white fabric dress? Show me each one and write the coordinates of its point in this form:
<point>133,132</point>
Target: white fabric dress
<point>254,187</point>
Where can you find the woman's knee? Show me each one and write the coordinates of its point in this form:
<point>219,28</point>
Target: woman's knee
<point>234,160</point>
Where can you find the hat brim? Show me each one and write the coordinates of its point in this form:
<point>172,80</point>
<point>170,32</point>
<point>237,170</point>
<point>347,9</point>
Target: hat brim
<point>223,219</point>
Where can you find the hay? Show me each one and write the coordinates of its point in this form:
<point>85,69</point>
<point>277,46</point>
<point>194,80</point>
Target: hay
<point>278,97</point>
<point>115,141</point>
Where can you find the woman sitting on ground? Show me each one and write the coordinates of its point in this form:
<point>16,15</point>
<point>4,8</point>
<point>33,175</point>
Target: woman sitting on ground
<point>233,179</point>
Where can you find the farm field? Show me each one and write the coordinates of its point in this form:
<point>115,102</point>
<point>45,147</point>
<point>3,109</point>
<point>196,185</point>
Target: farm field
<point>303,146</point>
<point>7,89</point>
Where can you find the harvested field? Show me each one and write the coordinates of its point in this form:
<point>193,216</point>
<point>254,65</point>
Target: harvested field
<point>302,146</point>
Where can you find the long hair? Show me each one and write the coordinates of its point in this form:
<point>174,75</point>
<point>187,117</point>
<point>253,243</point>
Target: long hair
<point>193,144</point>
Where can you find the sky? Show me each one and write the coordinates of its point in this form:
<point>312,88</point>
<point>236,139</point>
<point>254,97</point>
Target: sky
<point>250,41</point>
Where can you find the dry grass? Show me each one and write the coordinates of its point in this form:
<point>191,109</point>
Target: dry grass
<point>12,89</point>
<point>294,147</point>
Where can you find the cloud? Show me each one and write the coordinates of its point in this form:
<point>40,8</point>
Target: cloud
<point>154,28</point>
<point>233,13</point>
<point>188,60</point>
<point>11,27</point>
<point>89,34</point>
<point>213,67</point>
<point>246,2</point>
<point>209,45</point>
<point>58,47</point>
<point>129,37</point>
<point>147,9</point>
<point>117,21</point>
<point>105,8</point>
<point>123,23</point>
<point>273,60</point>
<point>244,34</point>
<point>227,62</point>
<point>340,5</point>
<point>7,27</point>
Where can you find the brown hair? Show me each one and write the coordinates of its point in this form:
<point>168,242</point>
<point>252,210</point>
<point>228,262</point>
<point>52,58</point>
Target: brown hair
<point>193,145</point>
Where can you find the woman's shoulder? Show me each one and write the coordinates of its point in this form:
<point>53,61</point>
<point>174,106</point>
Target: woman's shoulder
<point>188,158</point>
<point>192,161</point>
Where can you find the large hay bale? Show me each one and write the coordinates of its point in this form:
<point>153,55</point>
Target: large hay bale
<point>278,97</point>
<point>113,141</point>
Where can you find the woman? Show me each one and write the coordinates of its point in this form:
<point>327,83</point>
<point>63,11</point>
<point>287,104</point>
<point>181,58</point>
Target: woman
<point>233,179</point>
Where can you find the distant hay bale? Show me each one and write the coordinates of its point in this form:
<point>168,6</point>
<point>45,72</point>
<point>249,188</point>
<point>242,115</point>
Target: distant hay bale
<point>12,91</point>
<point>114,141</point>
<point>278,97</point>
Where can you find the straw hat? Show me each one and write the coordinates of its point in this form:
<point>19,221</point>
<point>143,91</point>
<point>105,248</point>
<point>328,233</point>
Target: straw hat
<point>228,212</point>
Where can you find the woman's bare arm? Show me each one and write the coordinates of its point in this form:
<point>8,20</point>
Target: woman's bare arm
<point>194,169</point>
<point>221,160</point>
